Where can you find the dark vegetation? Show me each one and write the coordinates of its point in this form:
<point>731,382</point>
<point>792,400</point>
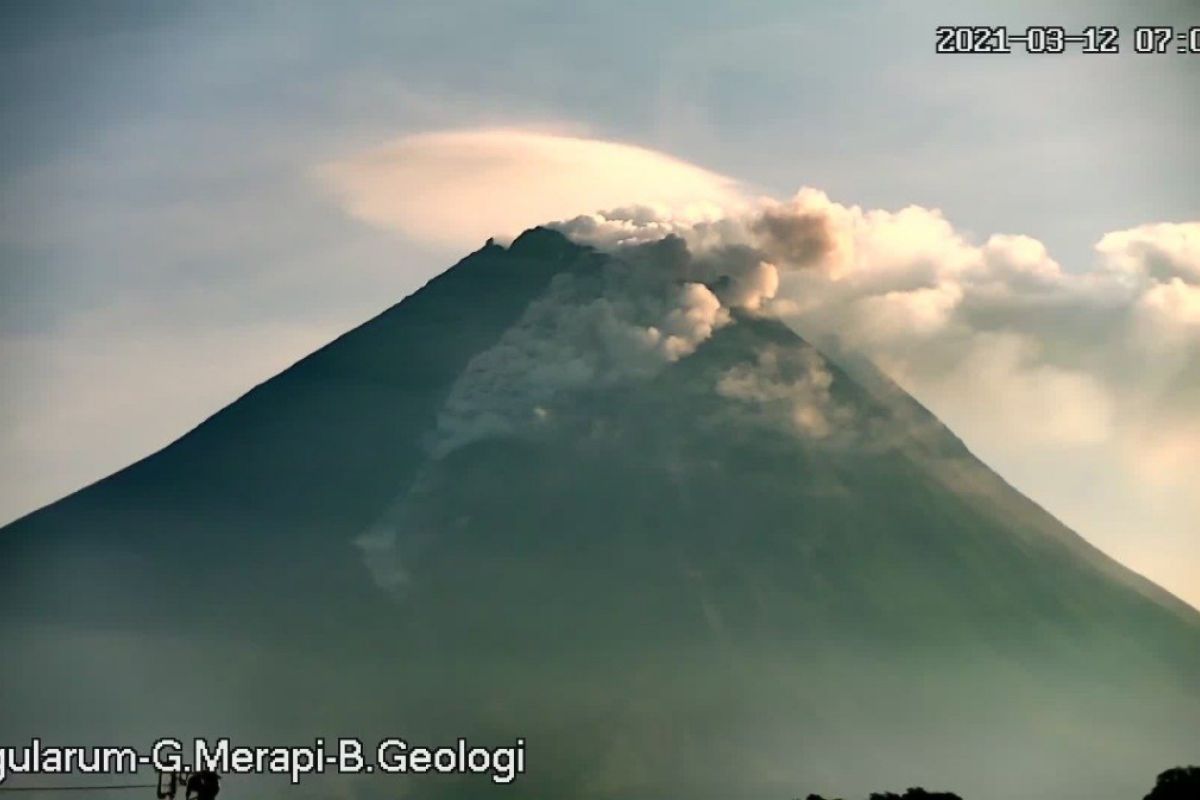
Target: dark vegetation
<point>1179,783</point>
<point>911,794</point>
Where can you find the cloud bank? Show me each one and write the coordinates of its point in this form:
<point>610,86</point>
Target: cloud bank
<point>1082,386</point>
<point>1078,383</point>
<point>1057,357</point>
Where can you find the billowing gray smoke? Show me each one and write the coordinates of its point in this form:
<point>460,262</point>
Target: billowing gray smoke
<point>1045,371</point>
<point>623,321</point>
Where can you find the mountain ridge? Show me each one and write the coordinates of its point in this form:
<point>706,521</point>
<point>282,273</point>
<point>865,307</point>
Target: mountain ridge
<point>746,560</point>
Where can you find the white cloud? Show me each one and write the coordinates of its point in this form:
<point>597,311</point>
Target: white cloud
<point>1093,368</point>
<point>1002,391</point>
<point>1096,367</point>
<point>459,187</point>
<point>1162,251</point>
<point>1172,307</point>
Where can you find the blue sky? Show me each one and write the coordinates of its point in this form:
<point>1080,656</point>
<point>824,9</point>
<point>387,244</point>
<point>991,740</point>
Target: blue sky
<point>166,241</point>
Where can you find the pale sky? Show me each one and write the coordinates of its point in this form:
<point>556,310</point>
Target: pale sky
<point>193,196</point>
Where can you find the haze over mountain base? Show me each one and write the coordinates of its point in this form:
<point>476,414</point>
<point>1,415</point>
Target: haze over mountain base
<point>604,502</point>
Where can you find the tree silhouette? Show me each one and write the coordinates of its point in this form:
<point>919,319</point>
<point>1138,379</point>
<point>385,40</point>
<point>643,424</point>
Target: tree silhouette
<point>1180,783</point>
<point>912,794</point>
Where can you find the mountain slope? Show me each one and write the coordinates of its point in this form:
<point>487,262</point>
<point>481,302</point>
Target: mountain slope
<point>560,494</point>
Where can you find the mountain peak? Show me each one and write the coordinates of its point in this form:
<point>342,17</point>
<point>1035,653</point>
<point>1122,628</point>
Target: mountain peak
<point>543,242</point>
<point>604,502</point>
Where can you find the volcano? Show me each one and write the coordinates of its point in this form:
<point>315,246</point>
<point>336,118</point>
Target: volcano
<point>599,501</point>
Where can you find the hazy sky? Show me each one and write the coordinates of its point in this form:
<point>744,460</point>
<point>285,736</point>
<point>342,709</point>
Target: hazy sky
<point>174,227</point>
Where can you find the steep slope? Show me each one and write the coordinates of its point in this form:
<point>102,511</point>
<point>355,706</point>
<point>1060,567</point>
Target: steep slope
<point>562,495</point>
<point>320,448</point>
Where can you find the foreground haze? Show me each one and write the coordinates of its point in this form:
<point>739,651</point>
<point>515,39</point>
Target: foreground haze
<point>605,499</point>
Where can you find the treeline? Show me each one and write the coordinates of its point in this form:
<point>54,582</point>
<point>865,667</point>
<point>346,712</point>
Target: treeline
<point>912,794</point>
<point>1180,783</point>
